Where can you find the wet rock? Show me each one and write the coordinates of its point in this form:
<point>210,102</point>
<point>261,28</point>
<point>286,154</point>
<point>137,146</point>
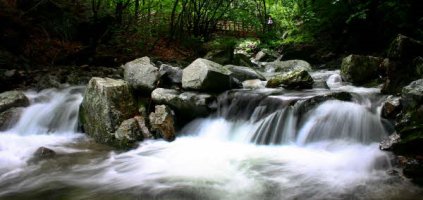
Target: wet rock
<point>9,117</point>
<point>206,75</point>
<point>253,84</point>
<point>305,105</point>
<point>188,104</point>
<point>162,121</point>
<point>244,73</point>
<point>106,104</point>
<point>128,134</point>
<point>391,107</point>
<point>388,143</point>
<point>12,99</point>
<point>403,48</point>
<point>266,55</point>
<point>360,69</point>
<point>170,75</point>
<point>287,66</point>
<point>412,94</point>
<point>297,79</point>
<point>43,153</point>
<point>141,74</point>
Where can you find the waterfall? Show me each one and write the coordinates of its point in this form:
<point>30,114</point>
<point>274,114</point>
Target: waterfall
<point>50,120</point>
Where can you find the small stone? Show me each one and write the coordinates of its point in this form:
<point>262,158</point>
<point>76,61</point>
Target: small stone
<point>162,121</point>
<point>44,153</point>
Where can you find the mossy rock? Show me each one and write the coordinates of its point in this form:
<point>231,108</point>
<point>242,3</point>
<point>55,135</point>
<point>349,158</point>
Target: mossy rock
<point>360,69</point>
<point>297,79</point>
<point>106,104</point>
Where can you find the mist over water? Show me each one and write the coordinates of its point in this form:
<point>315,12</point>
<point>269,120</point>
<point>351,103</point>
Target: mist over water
<point>329,152</point>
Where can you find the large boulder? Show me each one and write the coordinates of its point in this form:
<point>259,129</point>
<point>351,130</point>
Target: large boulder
<point>297,79</point>
<point>106,104</point>
<point>287,66</point>
<point>405,48</point>
<point>405,64</point>
<point>206,75</point>
<point>244,73</point>
<point>12,99</point>
<point>360,69</point>
<point>188,104</point>
<point>141,74</point>
<point>162,121</point>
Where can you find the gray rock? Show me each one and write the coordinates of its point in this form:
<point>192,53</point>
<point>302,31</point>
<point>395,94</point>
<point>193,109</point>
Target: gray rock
<point>128,134</point>
<point>162,121</point>
<point>391,107</point>
<point>189,104</point>
<point>9,117</point>
<point>288,65</point>
<point>412,95</point>
<point>244,73</point>
<point>106,104</point>
<point>141,74</point>
<point>12,99</point>
<point>206,75</point>
<point>297,79</point>
<point>360,69</point>
<point>170,75</point>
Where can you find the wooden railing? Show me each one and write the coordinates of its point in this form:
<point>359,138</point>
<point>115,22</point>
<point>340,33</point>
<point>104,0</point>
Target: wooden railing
<point>241,29</point>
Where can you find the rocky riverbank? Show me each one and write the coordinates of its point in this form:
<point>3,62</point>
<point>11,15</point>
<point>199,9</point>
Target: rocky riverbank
<point>146,100</point>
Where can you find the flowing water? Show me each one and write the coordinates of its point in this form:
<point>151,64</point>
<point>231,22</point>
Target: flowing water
<point>259,145</point>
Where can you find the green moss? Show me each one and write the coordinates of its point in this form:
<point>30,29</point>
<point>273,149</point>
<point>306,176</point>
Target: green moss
<point>297,79</point>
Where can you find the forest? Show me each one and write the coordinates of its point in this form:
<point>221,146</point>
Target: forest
<point>107,32</point>
<point>211,99</point>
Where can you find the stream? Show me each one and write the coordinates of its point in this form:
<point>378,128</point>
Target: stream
<point>250,150</point>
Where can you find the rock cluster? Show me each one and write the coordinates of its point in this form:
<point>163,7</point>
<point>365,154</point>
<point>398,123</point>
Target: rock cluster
<point>151,102</point>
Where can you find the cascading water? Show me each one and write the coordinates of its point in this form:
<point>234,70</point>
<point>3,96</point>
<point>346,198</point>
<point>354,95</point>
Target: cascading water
<point>261,145</point>
<point>51,120</point>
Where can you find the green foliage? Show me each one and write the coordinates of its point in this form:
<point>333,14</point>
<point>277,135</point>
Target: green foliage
<point>247,45</point>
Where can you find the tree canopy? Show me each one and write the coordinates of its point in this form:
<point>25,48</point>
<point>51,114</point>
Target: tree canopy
<point>55,29</point>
